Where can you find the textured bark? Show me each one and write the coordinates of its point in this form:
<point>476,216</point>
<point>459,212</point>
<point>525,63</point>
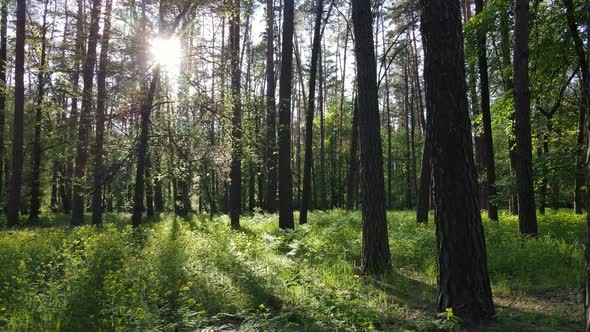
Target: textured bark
<point>376,257</point>
<point>100,117</point>
<point>315,50</point>
<point>527,219</point>
<point>284,136</point>
<point>236,132</point>
<point>463,282</point>
<point>488,145</point>
<point>271,127</point>
<point>35,203</point>
<point>14,193</point>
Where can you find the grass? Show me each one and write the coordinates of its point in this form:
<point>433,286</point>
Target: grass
<point>177,275</point>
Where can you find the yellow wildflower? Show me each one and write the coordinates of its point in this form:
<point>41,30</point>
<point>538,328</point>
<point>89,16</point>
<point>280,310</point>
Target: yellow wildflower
<point>449,313</point>
<point>22,265</point>
<point>261,306</point>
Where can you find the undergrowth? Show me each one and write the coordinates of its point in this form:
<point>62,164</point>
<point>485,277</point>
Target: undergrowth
<point>187,275</point>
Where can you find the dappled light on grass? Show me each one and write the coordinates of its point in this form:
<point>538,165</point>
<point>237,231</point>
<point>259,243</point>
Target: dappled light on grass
<point>186,275</point>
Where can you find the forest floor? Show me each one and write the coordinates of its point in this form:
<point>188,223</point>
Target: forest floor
<point>177,275</point>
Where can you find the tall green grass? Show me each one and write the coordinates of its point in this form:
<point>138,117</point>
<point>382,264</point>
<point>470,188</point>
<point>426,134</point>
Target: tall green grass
<point>185,275</point>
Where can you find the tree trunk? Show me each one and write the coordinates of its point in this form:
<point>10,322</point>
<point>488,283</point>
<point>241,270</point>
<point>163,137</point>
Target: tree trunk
<point>100,117</point>
<point>149,189</point>
<point>376,258</point>
<point>463,282</point>
<point>406,125</point>
<point>488,145</point>
<point>579,190</point>
<point>74,114</point>
<point>236,132</point>
<point>142,148</point>
<point>425,179</point>
<point>583,64</point>
<point>13,203</point>
<point>3,62</point>
<point>271,128</point>
<point>158,195</point>
<point>322,191</point>
<point>315,50</point>
<point>505,46</point>
<point>35,203</point>
<point>84,128</point>
<point>527,220</point>
<point>353,163</point>
<point>284,137</point>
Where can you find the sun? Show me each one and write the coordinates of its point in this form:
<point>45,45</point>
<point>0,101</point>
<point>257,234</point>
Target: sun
<point>168,53</point>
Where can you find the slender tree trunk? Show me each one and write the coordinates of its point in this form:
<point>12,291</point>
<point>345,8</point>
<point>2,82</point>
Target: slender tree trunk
<point>35,203</point>
<point>149,189</point>
<point>406,124</point>
<point>100,117</point>
<point>285,174</point>
<point>580,192</point>
<point>13,204</point>
<point>322,191</point>
<point>84,128</point>
<point>463,282</point>
<point>271,128</point>
<point>488,145</point>
<point>353,163</point>
<point>74,113</point>
<point>142,148</point>
<point>3,89</point>
<point>527,220</point>
<point>158,195</point>
<point>315,50</point>
<point>339,150</point>
<point>236,134</point>
<point>425,179</point>
<point>376,257</point>
<point>390,169</point>
<point>505,46</point>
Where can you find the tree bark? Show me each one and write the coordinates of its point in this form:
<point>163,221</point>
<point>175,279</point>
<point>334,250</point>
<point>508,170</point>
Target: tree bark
<point>100,117</point>
<point>351,189</point>
<point>271,127</point>
<point>488,145</point>
<point>35,203</point>
<point>284,137</point>
<point>3,89</point>
<point>505,46</point>
<point>376,258</point>
<point>315,50</point>
<point>13,203</point>
<point>142,147</point>
<point>463,282</point>
<point>527,219</point>
<point>236,132</point>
